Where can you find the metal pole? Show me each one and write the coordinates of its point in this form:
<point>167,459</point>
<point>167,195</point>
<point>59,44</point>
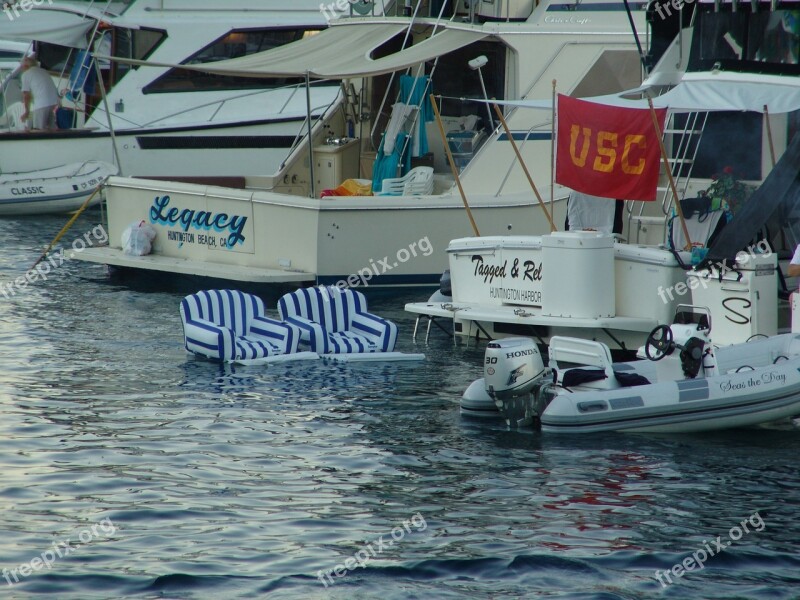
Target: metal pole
<point>108,114</point>
<point>486,97</point>
<point>769,136</point>
<point>310,131</point>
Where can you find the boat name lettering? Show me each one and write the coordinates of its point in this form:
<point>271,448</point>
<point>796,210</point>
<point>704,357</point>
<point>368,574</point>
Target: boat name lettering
<point>739,318</point>
<point>38,189</point>
<point>765,379</point>
<point>567,20</point>
<point>515,295</point>
<point>488,272</point>
<point>533,272</point>
<point>202,220</point>
<point>519,353</point>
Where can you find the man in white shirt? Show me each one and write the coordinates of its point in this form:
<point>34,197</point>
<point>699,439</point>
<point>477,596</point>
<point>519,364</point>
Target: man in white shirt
<point>794,264</point>
<point>38,89</point>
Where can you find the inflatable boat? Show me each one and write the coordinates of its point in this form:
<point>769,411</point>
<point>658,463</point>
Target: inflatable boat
<point>685,385</point>
<point>57,190</point>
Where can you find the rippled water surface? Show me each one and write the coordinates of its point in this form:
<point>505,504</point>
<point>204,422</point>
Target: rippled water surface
<point>137,471</point>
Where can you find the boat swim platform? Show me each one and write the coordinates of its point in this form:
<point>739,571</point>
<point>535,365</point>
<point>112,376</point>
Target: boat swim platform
<point>180,266</point>
<point>525,315</point>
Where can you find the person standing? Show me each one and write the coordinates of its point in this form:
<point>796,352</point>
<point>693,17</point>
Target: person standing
<point>39,95</point>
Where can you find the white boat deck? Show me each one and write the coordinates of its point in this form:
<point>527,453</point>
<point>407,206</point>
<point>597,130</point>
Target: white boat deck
<point>117,258</point>
<point>525,315</point>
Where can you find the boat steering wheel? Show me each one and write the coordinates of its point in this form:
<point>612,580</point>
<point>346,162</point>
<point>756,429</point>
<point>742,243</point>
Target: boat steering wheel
<point>659,343</point>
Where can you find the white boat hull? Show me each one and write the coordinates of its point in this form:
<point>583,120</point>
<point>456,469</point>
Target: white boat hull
<point>56,190</point>
<point>236,149</point>
<point>738,386</point>
<point>276,238</point>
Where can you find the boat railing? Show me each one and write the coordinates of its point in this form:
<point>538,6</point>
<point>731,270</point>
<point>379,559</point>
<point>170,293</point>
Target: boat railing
<point>324,112</point>
<point>528,134</point>
<point>683,138</point>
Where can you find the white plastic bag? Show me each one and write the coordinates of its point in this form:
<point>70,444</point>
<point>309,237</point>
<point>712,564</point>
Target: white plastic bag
<point>137,239</point>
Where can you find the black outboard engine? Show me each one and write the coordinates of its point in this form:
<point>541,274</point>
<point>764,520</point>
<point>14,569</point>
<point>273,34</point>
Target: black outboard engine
<point>512,368</point>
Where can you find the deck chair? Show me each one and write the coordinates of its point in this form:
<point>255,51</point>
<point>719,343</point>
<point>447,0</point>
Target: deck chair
<point>417,182</point>
<point>229,325</point>
<point>335,321</point>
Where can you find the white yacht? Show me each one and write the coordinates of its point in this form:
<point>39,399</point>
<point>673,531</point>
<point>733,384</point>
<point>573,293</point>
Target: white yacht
<point>508,49</point>
<point>729,83</point>
<point>167,122</point>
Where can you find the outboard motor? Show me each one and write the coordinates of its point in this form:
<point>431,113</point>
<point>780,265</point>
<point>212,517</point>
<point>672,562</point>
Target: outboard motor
<point>511,367</point>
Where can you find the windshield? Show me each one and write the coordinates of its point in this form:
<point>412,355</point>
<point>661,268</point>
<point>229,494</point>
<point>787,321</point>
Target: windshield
<point>764,41</point>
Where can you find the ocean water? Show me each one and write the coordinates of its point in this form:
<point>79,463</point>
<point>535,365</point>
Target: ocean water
<point>133,470</point>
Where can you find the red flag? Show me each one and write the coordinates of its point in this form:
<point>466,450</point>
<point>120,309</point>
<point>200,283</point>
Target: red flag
<point>608,151</point>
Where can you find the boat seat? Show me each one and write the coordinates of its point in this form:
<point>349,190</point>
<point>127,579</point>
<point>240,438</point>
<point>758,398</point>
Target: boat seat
<point>417,182</point>
<point>581,352</point>
<point>229,325</point>
<point>596,378</point>
<point>335,321</point>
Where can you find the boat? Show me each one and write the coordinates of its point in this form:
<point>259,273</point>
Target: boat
<point>726,111</point>
<point>164,122</point>
<point>290,234</point>
<point>687,384</point>
<point>56,190</point>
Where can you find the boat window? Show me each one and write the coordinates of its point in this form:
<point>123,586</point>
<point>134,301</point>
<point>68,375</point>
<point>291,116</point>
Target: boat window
<point>455,79</point>
<point>766,41</point>
<point>138,44</point>
<point>233,45</point>
<point>730,139</point>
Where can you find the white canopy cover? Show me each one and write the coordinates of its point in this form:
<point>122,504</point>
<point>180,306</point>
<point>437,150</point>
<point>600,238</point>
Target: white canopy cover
<point>339,52</point>
<point>54,26</point>
<point>707,91</point>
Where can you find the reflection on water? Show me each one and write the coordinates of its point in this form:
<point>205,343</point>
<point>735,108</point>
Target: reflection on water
<point>247,481</point>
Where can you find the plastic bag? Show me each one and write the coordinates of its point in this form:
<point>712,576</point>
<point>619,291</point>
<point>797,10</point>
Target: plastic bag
<point>137,239</point>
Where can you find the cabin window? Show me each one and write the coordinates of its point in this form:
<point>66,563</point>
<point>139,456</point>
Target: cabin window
<point>454,78</point>
<point>233,45</point>
<point>126,43</point>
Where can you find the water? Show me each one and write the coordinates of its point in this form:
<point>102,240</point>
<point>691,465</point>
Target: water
<point>207,481</point>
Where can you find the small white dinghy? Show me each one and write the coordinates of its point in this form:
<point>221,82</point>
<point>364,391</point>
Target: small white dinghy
<point>57,190</point>
<point>687,385</point>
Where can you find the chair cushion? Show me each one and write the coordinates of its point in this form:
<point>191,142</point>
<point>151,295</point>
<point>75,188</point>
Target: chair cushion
<point>248,347</point>
<point>346,342</point>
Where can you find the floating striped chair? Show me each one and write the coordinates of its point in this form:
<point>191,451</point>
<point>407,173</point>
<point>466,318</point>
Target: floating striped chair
<point>229,325</point>
<point>336,321</point>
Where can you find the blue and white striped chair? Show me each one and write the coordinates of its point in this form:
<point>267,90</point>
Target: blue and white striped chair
<point>229,325</point>
<point>336,321</point>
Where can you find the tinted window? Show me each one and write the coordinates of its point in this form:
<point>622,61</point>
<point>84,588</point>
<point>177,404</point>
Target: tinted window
<point>233,45</point>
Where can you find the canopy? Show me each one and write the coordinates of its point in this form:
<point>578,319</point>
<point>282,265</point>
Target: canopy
<point>54,26</point>
<point>339,52</point>
<point>705,92</point>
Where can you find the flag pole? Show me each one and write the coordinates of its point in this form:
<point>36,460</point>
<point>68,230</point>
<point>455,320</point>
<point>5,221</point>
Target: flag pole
<point>769,136</point>
<point>668,169</point>
<point>553,149</point>
<point>524,167</point>
<point>453,165</point>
